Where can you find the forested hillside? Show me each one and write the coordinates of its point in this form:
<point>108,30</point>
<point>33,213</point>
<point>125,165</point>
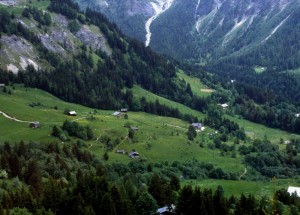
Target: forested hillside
<point>95,77</point>
<point>249,33</point>
<point>53,179</point>
<point>253,43</point>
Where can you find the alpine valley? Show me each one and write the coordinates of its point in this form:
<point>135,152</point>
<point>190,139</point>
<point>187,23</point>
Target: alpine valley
<point>248,32</point>
<point>149,107</point>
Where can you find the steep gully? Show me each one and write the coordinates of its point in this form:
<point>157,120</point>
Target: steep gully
<point>159,6</point>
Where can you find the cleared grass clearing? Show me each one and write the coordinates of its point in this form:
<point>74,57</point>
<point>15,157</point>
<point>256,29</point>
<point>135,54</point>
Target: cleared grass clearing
<point>198,88</point>
<point>255,188</point>
<point>257,131</point>
<point>21,4</point>
<point>17,105</point>
<point>140,92</point>
<point>158,142</point>
<point>259,69</point>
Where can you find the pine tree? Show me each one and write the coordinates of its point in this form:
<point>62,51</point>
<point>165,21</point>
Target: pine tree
<point>107,206</point>
<point>118,200</point>
<point>146,204</point>
<point>14,165</point>
<point>53,195</point>
<point>105,156</point>
<point>89,133</point>
<point>197,206</point>
<point>157,188</point>
<point>191,133</point>
<point>185,200</point>
<point>175,183</point>
<point>56,131</point>
<point>33,177</point>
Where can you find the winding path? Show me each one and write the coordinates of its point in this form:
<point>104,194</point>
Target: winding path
<point>13,118</point>
<point>242,175</point>
<point>79,118</point>
<point>174,126</point>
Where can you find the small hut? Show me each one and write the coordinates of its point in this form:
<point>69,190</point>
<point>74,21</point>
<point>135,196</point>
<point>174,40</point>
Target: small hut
<point>72,113</point>
<point>34,124</point>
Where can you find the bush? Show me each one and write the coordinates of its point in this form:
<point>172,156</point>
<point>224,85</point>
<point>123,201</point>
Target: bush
<point>74,26</point>
<point>66,111</point>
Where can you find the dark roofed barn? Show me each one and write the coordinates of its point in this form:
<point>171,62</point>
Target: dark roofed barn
<point>34,124</point>
<point>134,154</point>
<point>134,128</point>
<point>197,125</point>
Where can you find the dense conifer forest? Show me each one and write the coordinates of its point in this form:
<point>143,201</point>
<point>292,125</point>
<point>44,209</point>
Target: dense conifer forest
<point>65,179</point>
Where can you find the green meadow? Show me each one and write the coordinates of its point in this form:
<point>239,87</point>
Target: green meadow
<point>257,131</point>
<point>140,92</point>
<point>197,86</point>
<point>236,188</point>
<point>159,139</point>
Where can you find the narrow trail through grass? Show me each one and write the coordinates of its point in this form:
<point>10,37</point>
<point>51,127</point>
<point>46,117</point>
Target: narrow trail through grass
<point>244,173</point>
<point>13,118</point>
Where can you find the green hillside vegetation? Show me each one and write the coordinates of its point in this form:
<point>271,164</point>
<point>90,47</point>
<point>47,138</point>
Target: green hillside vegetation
<point>198,88</point>
<point>92,67</point>
<point>254,130</point>
<point>259,69</point>
<point>158,140</point>
<point>140,92</point>
<point>18,9</point>
<point>256,188</point>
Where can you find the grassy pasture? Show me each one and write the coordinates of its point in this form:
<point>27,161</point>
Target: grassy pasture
<point>253,130</point>
<point>198,88</point>
<point>156,141</point>
<point>17,105</point>
<point>159,139</point>
<point>140,92</point>
<point>258,131</point>
<point>255,188</point>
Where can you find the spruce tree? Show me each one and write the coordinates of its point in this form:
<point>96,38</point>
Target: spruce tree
<point>146,204</point>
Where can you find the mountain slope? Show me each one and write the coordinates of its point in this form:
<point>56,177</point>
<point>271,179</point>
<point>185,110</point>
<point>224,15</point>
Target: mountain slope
<point>214,29</point>
<point>81,57</point>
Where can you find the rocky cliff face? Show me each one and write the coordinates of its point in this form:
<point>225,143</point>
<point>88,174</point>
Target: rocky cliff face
<point>17,53</point>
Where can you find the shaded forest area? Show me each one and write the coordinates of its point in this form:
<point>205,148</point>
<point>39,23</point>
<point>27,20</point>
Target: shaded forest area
<point>66,179</point>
